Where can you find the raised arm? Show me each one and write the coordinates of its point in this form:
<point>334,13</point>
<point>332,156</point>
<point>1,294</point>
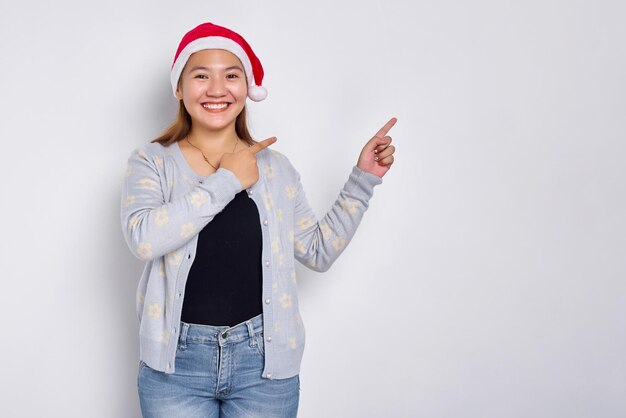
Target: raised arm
<point>153,227</point>
<point>319,243</point>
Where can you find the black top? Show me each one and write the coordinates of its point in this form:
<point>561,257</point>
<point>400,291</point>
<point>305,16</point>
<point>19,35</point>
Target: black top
<point>224,286</point>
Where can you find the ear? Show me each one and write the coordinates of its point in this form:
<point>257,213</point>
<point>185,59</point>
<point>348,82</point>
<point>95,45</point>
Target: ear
<point>179,95</point>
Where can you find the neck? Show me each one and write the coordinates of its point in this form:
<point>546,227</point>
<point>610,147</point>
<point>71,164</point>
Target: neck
<point>213,141</point>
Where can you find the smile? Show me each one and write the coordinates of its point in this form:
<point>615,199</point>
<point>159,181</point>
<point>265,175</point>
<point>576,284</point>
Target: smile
<point>215,106</point>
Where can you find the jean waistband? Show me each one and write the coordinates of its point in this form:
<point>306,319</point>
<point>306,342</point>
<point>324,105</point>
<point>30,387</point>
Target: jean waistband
<point>199,333</point>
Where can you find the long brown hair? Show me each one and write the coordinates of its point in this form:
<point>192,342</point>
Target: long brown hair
<point>181,127</point>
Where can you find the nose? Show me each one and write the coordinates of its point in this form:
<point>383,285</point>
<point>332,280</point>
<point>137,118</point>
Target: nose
<point>216,87</point>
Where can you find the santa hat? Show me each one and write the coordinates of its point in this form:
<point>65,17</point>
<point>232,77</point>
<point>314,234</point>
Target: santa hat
<point>210,36</point>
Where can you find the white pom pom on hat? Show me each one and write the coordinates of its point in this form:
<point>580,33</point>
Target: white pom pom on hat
<point>257,93</point>
<point>210,36</point>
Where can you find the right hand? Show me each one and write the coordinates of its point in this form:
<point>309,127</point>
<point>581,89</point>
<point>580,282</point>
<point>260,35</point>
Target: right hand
<point>243,163</point>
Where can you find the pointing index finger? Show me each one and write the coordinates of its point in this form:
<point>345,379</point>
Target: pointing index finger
<point>262,145</point>
<point>383,131</point>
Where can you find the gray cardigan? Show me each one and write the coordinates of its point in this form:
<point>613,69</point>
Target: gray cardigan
<point>164,206</point>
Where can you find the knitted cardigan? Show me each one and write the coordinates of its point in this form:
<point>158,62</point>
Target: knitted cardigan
<point>164,206</point>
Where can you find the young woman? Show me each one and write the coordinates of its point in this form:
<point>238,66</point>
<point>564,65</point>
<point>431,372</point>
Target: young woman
<point>219,220</point>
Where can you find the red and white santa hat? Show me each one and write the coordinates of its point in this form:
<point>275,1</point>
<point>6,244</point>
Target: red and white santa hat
<point>210,36</point>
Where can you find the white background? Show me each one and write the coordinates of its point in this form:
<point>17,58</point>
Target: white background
<point>487,278</point>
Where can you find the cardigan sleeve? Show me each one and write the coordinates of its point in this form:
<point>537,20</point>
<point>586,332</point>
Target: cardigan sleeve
<point>153,227</point>
<point>318,243</point>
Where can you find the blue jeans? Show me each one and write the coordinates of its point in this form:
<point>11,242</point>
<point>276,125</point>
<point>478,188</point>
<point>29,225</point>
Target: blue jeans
<point>218,374</point>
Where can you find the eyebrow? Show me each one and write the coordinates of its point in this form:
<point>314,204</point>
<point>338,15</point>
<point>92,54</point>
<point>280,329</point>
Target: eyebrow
<point>200,67</point>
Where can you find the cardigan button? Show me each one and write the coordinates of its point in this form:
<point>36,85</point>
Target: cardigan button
<point>268,338</point>
<point>267,301</point>
<point>267,263</point>
<point>265,222</point>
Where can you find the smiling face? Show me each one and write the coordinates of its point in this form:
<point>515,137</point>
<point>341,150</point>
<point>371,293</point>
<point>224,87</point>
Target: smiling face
<point>214,89</point>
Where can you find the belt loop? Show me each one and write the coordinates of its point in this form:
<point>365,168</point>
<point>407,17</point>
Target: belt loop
<point>251,338</point>
<point>182,339</point>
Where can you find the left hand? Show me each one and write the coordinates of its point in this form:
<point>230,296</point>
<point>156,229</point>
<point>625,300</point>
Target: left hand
<point>377,155</point>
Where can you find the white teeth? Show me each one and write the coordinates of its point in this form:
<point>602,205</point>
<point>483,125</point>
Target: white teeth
<point>215,106</point>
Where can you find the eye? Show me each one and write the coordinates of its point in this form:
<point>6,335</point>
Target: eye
<point>201,76</point>
<point>232,76</point>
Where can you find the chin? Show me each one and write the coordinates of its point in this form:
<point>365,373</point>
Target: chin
<point>218,126</point>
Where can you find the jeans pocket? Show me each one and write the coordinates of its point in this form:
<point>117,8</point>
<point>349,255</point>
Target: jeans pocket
<point>142,365</point>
